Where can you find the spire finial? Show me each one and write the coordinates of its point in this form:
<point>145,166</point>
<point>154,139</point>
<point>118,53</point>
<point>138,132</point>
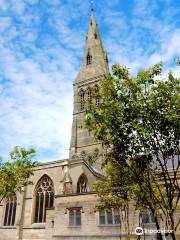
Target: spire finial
<point>92,6</point>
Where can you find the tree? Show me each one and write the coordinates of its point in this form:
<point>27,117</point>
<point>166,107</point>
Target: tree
<point>15,173</point>
<point>137,120</point>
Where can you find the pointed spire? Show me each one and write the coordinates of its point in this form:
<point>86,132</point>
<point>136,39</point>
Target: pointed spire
<point>95,58</point>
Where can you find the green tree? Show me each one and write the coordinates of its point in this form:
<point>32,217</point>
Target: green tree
<point>15,173</point>
<point>137,120</point>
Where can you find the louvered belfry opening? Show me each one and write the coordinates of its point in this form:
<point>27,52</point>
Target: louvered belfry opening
<point>44,198</point>
<point>82,99</point>
<point>89,59</point>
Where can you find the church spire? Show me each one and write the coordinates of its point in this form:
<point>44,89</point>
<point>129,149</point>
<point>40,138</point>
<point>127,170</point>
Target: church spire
<point>95,62</point>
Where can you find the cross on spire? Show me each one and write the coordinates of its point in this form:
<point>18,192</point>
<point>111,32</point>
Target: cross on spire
<point>92,5</point>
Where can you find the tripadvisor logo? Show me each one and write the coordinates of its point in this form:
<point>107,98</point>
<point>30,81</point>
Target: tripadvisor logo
<point>139,231</point>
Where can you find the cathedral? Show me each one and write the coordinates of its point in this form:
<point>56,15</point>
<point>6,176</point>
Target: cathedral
<point>60,204</point>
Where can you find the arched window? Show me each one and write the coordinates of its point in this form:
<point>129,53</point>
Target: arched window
<point>82,99</point>
<point>89,59</point>
<point>44,198</point>
<point>82,184</point>
<point>10,211</point>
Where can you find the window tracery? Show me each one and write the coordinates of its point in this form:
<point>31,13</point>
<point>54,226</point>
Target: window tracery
<point>44,198</point>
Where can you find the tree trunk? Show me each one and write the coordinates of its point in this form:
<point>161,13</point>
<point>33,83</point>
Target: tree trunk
<point>173,236</point>
<point>159,235</point>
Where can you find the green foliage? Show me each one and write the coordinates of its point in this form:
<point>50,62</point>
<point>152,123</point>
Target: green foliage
<point>15,173</point>
<point>138,119</point>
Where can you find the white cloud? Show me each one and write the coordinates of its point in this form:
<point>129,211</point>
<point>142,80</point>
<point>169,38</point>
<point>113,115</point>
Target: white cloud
<point>40,58</point>
<point>169,49</point>
<point>33,112</point>
<point>5,22</point>
<point>36,95</point>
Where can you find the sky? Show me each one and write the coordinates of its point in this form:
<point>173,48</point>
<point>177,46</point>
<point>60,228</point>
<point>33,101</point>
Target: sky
<point>41,49</point>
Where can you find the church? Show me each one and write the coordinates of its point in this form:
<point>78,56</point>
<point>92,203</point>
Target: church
<point>60,204</point>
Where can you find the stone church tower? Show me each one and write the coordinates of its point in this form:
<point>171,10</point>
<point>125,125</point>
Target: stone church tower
<point>93,69</point>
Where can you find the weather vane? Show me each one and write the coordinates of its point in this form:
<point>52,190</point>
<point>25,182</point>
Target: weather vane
<point>92,5</point>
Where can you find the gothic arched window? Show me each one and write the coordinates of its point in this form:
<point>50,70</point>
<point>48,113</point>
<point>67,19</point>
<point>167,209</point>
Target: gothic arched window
<point>44,198</point>
<point>10,211</point>
<point>82,99</point>
<point>82,184</point>
<point>89,59</point>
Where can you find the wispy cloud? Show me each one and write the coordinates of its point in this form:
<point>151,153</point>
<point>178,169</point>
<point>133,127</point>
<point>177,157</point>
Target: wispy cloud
<point>41,46</point>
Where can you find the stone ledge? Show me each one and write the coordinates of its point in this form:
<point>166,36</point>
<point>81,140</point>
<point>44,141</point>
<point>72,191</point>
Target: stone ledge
<point>74,194</point>
<point>8,227</point>
<point>89,236</point>
<point>36,226</point>
<point>74,226</point>
<point>109,225</point>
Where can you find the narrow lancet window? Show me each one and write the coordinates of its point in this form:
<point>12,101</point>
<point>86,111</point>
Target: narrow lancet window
<point>10,211</point>
<point>82,100</point>
<point>44,198</point>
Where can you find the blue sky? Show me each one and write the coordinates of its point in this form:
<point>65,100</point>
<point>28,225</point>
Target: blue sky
<point>41,48</point>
